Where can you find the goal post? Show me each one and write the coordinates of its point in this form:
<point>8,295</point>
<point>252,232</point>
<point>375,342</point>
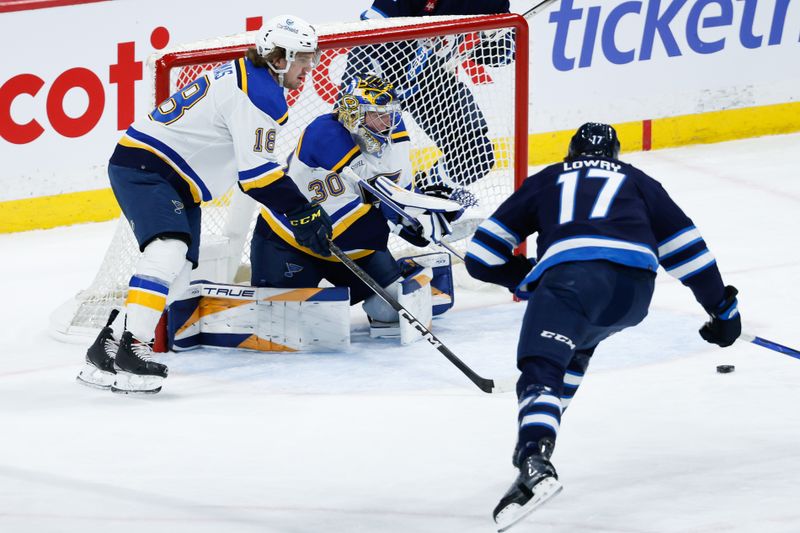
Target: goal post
<point>485,61</point>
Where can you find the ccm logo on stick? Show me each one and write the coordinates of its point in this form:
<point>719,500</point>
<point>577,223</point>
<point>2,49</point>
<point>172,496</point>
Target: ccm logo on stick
<point>559,337</point>
<point>427,335</point>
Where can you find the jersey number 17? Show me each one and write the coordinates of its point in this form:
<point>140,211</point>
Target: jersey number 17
<point>569,182</point>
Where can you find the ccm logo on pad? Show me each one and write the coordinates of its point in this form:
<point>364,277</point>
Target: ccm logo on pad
<point>559,337</point>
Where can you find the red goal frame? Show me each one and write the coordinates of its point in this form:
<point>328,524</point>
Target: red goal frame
<point>164,64</point>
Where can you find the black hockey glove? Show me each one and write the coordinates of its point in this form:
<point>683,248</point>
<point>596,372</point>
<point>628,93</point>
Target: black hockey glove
<point>312,228</point>
<point>725,325</point>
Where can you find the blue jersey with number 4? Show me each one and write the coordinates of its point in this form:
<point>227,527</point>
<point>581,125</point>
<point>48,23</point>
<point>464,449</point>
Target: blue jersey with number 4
<point>589,209</point>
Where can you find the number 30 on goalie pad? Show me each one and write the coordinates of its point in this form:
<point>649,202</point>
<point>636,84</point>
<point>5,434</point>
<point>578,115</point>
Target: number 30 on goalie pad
<point>260,318</point>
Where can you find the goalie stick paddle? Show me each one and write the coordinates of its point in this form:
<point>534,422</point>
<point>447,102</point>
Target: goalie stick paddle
<point>486,385</point>
<point>760,341</point>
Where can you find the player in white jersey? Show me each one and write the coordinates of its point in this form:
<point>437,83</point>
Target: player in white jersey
<point>365,136</point>
<point>218,131</point>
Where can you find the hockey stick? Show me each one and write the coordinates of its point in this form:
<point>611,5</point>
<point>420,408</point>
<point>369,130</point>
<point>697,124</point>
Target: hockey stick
<point>380,195</point>
<point>791,352</point>
<point>537,8</point>
<point>486,385</point>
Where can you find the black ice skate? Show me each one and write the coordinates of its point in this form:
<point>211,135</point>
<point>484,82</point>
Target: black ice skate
<point>98,372</point>
<point>536,483</point>
<point>136,370</point>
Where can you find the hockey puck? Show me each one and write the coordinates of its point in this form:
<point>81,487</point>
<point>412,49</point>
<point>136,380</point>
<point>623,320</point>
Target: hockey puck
<point>725,369</point>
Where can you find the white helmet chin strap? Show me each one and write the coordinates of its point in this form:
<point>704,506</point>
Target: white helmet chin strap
<point>280,72</point>
<point>290,55</point>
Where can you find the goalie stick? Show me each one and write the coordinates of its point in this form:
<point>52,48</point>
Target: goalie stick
<point>489,386</point>
<point>537,8</point>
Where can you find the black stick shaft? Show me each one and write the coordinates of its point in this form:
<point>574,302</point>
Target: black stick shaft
<point>486,385</point>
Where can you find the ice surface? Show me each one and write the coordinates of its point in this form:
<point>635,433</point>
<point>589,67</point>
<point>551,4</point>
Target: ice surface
<point>384,439</point>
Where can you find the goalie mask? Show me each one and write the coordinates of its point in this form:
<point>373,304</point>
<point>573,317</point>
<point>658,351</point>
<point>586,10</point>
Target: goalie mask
<point>369,109</point>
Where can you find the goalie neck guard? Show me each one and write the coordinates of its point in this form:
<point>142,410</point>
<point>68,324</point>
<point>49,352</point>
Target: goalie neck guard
<point>369,109</point>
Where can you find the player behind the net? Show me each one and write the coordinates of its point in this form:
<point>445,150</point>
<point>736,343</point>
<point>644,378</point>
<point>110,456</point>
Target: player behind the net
<point>218,131</point>
<point>425,77</point>
<point>363,139</point>
<point>603,228</point>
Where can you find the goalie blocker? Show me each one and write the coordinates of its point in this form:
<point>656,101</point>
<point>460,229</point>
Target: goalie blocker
<point>296,320</point>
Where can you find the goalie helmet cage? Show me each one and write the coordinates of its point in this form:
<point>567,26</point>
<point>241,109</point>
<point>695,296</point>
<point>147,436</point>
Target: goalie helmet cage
<point>497,82</point>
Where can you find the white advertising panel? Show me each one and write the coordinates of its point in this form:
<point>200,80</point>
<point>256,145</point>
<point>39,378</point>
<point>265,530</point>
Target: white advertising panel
<point>618,61</point>
<point>73,77</point>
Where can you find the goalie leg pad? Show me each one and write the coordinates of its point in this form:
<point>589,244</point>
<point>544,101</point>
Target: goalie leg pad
<point>442,290</point>
<point>384,322</point>
<point>415,295</point>
<point>260,318</point>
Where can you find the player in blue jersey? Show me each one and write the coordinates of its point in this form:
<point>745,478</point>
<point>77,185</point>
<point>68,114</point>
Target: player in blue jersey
<point>216,132</point>
<point>364,138</point>
<point>423,72</point>
<point>603,228</point>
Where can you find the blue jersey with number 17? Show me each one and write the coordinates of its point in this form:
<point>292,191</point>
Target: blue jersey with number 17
<point>590,209</point>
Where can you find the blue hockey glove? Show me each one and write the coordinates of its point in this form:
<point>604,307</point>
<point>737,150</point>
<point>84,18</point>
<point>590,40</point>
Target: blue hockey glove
<point>312,228</point>
<point>725,325</point>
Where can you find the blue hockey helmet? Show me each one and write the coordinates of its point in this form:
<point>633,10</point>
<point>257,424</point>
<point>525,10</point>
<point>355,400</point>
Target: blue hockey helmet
<point>368,107</point>
<point>594,138</point>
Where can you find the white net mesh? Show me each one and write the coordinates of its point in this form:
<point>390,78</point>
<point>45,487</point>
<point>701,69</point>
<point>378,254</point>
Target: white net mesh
<point>460,103</point>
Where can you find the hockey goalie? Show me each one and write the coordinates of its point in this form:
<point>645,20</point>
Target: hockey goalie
<point>355,163</point>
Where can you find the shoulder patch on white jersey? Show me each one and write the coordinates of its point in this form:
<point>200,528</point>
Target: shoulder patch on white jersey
<point>327,144</point>
<point>262,89</point>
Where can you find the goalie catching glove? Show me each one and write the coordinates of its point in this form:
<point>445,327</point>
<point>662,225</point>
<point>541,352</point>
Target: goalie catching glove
<point>418,218</point>
<point>429,227</point>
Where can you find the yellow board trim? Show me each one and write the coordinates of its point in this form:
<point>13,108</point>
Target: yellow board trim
<point>46,212</point>
<point>683,130</point>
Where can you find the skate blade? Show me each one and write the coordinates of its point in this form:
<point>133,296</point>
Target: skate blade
<point>385,333</point>
<point>127,383</point>
<point>91,376</point>
<point>542,492</point>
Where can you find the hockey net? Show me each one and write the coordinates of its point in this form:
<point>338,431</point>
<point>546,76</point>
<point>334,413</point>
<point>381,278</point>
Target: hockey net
<point>464,74</point>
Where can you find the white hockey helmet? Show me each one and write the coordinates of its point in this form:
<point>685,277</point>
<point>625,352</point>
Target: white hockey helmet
<point>291,33</point>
